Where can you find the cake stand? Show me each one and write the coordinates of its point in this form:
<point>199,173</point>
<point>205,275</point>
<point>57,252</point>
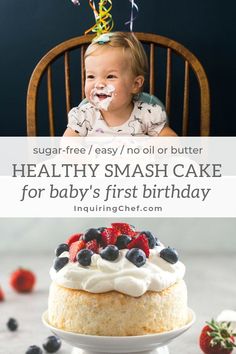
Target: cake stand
<point>146,344</point>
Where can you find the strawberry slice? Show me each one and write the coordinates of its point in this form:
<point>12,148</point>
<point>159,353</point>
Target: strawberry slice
<point>75,248</point>
<point>124,228</point>
<point>140,242</point>
<point>93,246</point>
<point>109,236</point>
<point>2,296</point>
<point>73,238</point>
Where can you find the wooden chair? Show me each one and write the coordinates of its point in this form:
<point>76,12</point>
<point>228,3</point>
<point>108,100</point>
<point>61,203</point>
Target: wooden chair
<point>161,83</point>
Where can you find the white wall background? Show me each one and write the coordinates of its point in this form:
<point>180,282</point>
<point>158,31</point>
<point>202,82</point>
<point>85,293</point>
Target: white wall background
<point>192,234</point>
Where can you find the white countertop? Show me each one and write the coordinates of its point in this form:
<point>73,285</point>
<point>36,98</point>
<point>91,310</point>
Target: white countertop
<point>211,281</point>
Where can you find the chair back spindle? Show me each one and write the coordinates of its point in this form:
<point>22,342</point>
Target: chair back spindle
<point>67,81</point>
<point>168,81</point>
<point>186,100</point>
<point>82,71</point>
<point>152,69</point>
<point>50,101</point>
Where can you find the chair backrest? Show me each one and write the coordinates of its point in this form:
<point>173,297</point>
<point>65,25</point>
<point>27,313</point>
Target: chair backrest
<point>163,83</point>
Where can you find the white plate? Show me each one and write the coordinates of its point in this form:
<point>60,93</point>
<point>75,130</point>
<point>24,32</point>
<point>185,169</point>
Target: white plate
<point>131,344</point>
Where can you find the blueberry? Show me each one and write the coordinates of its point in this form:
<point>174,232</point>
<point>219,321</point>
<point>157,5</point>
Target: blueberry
<point>12,324</point>
<point>63,247</point>
<point>136,256</point>
<point>152,240</point>
<point>101,228</point>
<point>34,349</point>
<point>92,234</point>
<point>110,253</point>
<point>122,241</point>
<point>60,262</point>
<point>52,344</point>
<point>84,257</point>
<point>169,254</point>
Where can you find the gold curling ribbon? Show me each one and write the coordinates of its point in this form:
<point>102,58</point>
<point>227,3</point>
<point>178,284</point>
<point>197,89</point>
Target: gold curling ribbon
<point>104,21</point>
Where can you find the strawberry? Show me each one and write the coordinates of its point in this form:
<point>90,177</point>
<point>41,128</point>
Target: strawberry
<point>109,236</point>
<point>2,296</point>
<point>22,280</point>
<point>75,248</point>
<point>217,338</point>
<point>140,242</point>
<point>93,246</point>
<point>124,228</point>
<point>73,238</point>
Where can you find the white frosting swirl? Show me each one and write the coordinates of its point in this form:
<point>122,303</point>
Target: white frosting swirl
<point>120,275</point>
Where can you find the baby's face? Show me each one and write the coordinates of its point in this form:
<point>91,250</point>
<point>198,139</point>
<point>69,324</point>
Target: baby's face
<point>110,83</point>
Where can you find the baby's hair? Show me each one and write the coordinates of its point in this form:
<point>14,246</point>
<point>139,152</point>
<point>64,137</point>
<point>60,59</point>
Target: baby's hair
<point>129,43</point>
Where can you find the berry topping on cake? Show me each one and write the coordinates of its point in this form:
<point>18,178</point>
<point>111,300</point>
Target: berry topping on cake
<point>60,262</point>
<point>84,257</point>
<point>170,255</point>
<point>152,240</point>
<point>107,243</point>
<point>92,234</point>
<point>140,242</point>
<point>93,246</point>
<point>217,338</point>
<point>75,248</point>
<point>63,247</point>
<point>2,296</point>
<point>109,236</point>
<point>34,349</point>
<point>136,256</point>
<point>73,238</point>
<point>52,344</point>
<point>122,241</point>
<point>124,228</point>
<point>12,324</point>
<point>22,280</point>
<point>110,253</point>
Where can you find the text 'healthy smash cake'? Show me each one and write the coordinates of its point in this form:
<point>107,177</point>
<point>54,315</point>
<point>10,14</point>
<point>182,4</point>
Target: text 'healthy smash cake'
<point>116,281</point>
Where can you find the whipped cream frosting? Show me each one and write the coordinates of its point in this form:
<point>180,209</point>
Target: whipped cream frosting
<point>120,275</point>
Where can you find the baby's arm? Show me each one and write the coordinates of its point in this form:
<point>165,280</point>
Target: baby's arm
<point>70,132</point>
<point>167,131</point>
<point>78,124</point>
<point>158,122</point>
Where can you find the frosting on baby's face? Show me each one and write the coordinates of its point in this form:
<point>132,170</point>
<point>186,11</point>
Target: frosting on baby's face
<point>110,83</point>
<point>101,96</point>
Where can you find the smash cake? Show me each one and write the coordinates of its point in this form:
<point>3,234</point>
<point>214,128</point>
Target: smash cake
<point>117,281</point>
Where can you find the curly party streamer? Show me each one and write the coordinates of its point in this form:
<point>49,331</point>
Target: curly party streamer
<point>103,18</point>
<point>104,21</point>
<point>134,7</point>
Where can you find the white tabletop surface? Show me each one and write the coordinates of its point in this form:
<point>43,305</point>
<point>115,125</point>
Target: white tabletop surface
<point>211,281</point>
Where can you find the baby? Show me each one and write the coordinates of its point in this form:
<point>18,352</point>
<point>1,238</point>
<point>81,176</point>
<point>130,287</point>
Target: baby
<point>115,66</point>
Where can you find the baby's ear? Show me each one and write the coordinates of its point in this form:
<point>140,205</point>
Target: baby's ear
<point>138,83</point>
